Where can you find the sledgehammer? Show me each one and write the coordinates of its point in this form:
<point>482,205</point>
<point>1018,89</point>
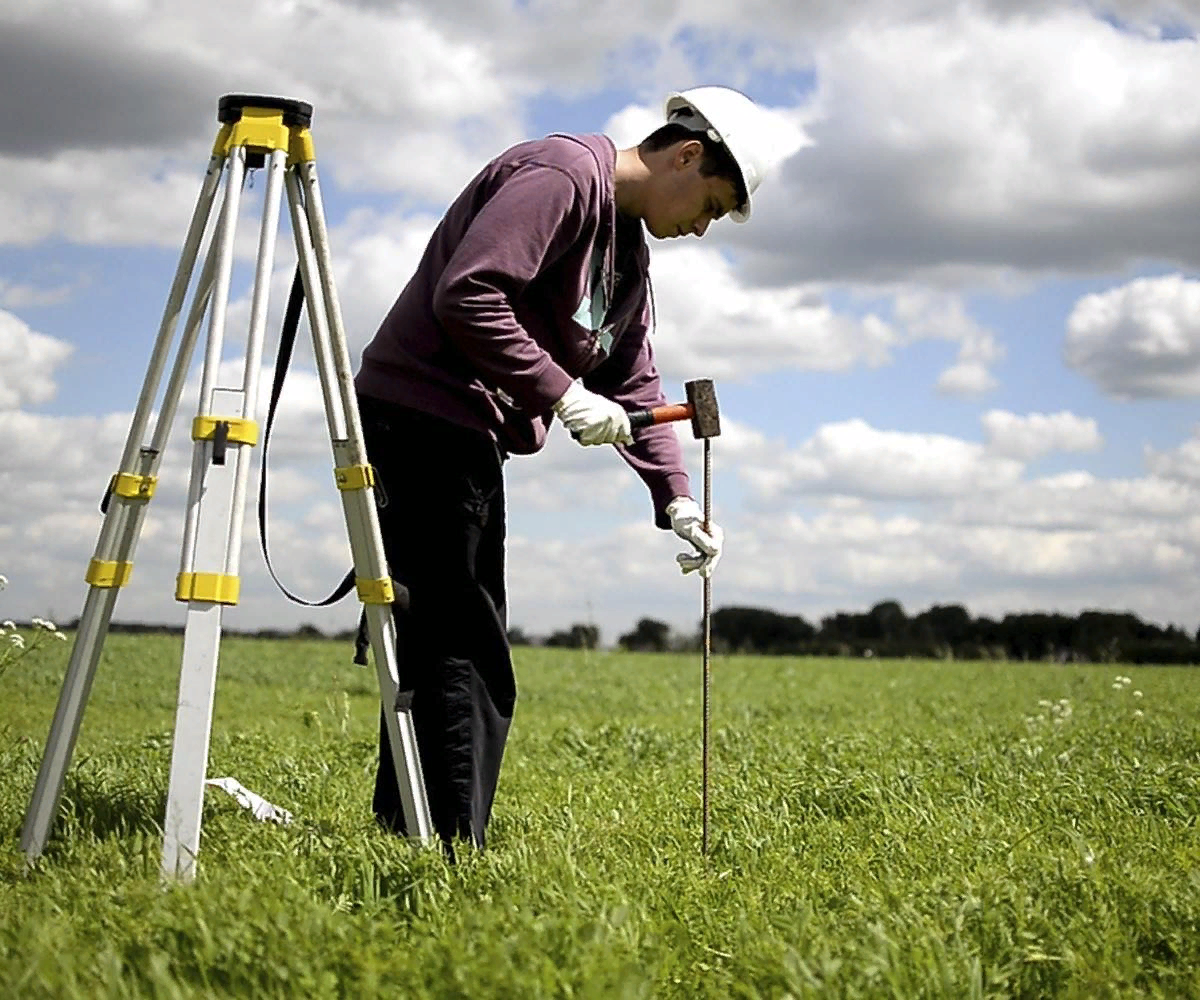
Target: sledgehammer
<point>700,408</point>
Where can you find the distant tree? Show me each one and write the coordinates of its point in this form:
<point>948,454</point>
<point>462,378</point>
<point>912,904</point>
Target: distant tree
<point>1037,635</point>
<point>755,630</point>
<point>576,637</point>
<point>847,627</point>
<point>307,631</point>
<point>888,621</point>
<point>943,624</point>
<point>1100,636</point>
<point>648,636</point>
<point>1160,650</point>
<point>517,637</point>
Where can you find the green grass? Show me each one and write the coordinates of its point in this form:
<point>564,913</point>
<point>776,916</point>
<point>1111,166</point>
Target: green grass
<point>879,829</point>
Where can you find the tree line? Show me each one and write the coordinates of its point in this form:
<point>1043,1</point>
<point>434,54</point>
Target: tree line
<point>942,631</point>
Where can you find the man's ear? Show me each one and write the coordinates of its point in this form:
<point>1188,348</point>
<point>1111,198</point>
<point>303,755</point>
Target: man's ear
<point>688,152</point>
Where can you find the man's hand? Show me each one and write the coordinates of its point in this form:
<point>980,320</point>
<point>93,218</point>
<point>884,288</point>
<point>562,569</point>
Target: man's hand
<point>592,418</point>
<point>687,521</point>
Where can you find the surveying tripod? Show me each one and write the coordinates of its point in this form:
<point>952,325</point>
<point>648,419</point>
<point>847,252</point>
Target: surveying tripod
<point>255,132</point>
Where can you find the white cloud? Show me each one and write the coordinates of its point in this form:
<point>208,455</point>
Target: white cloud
<point>1078,500</point>
<point>632,124</point>
<point>27,363</point>
<point>1181,464</point>
<point>1035,434</point>
<point>567,477</point>
<point>1139,340</point>
<point>118,106</point>
<point>853,458</point>
<point>927,313</point>
<point>710,322</point>
<point>970,529</point>
<point>944,139</point>
<point>1064,543</point>
<point>20,295</point>
<point>969,143</point>
<point>966,378</point>
<point>106,197</point>
<point>374,255</point>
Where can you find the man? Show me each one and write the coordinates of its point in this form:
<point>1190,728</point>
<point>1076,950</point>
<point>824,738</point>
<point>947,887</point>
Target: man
<point>532,300</point>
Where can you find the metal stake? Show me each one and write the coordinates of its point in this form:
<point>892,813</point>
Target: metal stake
<point>707,647</point>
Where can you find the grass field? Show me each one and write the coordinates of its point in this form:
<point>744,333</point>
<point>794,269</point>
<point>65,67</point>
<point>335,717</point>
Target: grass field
<point>879,829</point>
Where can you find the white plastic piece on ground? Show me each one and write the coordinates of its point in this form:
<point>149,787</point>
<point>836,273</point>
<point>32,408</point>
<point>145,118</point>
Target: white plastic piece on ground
<point>260,808</point>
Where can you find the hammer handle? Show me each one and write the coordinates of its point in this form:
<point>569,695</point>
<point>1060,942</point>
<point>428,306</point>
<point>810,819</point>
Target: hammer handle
<point>660,415</point>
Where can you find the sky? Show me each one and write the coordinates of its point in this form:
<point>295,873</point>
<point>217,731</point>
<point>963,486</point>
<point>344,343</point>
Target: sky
<point>956,348</point>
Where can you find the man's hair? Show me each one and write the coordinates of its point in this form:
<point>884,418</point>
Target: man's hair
<point>717,160</point>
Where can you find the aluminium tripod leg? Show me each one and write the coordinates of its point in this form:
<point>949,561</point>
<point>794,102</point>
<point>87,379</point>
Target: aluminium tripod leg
<point>224,432</point>
<point>112,562</point>
<point>355,480</point>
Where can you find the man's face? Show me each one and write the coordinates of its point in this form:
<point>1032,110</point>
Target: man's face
<point>684,200</point>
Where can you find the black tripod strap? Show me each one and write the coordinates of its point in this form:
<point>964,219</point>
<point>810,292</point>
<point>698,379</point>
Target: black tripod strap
<point>287,340</point>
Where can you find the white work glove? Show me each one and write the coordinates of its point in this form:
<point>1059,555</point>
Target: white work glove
<point>592,418</point>
<point>687,521</point>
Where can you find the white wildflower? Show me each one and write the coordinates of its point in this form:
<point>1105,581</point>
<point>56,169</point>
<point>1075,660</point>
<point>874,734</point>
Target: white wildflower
<point>1138,713</point>
<point>17,640</point>
<point>1137,694</point>
<point>3,582</point>
<point>8,624</point>
<point>59,635</point>
<point>1043,703</point>
<point>1117,686</point>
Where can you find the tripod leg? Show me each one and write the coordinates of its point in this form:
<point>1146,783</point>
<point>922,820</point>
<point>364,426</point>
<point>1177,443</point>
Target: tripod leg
<point>209,566</point>
<point>112,561</point>
<point>355,481</point>
<point>198,671</point>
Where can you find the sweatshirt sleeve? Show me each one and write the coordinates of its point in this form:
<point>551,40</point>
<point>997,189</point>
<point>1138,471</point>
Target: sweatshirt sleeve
<point>630,378</point>
<point>531,219</point>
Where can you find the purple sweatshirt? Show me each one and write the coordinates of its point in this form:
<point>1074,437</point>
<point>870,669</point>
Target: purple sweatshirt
<point>529,282</point>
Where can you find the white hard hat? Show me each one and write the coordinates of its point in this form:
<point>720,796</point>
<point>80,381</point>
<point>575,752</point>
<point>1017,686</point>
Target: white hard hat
<point>729,117</point>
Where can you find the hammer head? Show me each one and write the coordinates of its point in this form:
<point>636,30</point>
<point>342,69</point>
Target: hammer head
<point>706,418</point>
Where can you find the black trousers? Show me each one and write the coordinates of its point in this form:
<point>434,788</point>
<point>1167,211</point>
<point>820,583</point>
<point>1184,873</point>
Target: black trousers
<point>440,490</point>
